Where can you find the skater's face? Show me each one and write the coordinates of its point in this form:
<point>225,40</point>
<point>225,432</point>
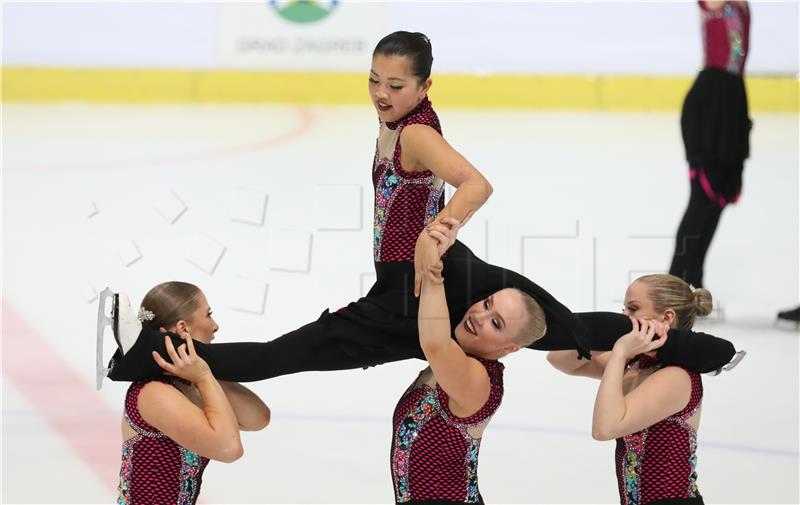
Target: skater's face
<point>394,89</point>
<point>639,304</point>
<point>490,326</point>
<point>200,325</point>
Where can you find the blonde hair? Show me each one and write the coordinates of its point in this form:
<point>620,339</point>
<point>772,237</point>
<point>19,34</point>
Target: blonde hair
<point>670,292</point>
<point>170,302</point>
<point>535,326</point>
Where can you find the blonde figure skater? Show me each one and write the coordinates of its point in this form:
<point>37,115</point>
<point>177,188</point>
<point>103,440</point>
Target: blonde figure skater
<point>175,424</point>
<point>651,409</point>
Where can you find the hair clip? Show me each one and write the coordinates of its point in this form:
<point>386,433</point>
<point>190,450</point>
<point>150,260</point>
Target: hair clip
<point>145,315</point>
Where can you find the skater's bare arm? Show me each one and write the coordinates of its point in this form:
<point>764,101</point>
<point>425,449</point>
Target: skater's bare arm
<point>251,412</point>
<point>568,362</point>
<point>423,148</point>
<point>617,414</point>
<point>463,378</point>
<point>211,431</point>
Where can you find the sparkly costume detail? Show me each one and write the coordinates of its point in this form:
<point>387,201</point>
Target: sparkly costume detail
<point>154,468</point>
<point>726,37</point>
<point>715,127</point>
<point>659,462</point>
<point>433,455</point>
<point>405,202</point>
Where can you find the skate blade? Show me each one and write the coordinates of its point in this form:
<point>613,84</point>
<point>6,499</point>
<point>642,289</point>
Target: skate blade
<point>738,357</point>
<point>104,319</point>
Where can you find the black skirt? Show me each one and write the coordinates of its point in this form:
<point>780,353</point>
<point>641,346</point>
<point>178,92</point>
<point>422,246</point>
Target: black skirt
<point>716,129</point>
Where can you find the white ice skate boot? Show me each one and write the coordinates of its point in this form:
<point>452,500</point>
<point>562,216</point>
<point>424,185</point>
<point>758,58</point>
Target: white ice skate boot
<point>114,310</point>
<point>127,325</point>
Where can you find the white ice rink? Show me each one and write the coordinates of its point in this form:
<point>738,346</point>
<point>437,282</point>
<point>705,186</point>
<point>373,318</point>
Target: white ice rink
<point>269,210</point>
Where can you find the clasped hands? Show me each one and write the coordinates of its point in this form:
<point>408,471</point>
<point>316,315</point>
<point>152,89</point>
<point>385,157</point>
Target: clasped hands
<point>432,243</point>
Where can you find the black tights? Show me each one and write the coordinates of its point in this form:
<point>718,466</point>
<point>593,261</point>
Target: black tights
<point>694,236</point>
<point>339,342</point>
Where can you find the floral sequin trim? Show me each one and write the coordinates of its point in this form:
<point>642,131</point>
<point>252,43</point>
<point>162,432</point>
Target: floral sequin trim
<point>386,187</point>
<point>125,472</point>
<point>735,28</point>
<point>432,207</point>
<point>634,453</point>
<point>693,462</point>
<point>736,39</point>
<point>190,469</point>
<point>692,433</point>
<point>406,433</point>
<point>472,471</point>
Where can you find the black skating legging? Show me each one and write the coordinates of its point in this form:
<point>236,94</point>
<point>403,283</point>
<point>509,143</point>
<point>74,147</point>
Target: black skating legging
<point>694,236</point>
<point>337,342</point>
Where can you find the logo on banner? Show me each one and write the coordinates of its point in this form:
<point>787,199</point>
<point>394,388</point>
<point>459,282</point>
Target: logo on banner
<point>303,11</point>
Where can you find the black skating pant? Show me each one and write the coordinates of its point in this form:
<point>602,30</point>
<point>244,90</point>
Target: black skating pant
<point>337,341</point>
<point>694,236</point>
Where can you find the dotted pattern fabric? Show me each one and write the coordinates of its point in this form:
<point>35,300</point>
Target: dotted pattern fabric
<point>156,470</point>
<point>433,457</point>
<point>405,202</point>
<point>659,462</point>
<point>726,37</point>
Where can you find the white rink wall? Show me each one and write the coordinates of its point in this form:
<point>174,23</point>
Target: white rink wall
<point>640,38</point>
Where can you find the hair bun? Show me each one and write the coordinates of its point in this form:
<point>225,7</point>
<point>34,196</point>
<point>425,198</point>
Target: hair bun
<point>703,303</point>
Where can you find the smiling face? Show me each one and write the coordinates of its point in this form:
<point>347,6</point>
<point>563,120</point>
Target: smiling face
<point>394,89</point>
<point>490,326</point>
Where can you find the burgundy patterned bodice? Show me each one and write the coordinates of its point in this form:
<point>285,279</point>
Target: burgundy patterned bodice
<point>154,468</point>
<point>726,36</point>
<point>404,201</point>
<point>658,463</point>
<point>433,455</point>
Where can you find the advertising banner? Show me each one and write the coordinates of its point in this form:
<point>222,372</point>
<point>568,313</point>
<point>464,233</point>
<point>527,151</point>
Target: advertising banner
<point>300,36</point>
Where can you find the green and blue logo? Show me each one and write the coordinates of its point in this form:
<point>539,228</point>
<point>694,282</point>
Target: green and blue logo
<point>303,11</point>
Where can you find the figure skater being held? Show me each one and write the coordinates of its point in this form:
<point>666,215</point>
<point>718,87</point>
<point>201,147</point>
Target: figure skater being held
<point>411,164</point>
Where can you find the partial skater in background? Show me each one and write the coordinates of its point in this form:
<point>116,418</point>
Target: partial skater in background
<point>175,424</point>
<point>790,316</point>
<point>650,408</point>
<point>716,128</point>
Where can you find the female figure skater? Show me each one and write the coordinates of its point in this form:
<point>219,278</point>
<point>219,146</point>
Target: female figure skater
<point>174,424</point>
<point>439,421</point>
<point>716,128</point>
<point>650,408</point>
<point>382,326</point>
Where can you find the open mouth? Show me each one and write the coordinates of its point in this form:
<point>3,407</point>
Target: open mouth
<point>469,326</point>
<point>383,107</point>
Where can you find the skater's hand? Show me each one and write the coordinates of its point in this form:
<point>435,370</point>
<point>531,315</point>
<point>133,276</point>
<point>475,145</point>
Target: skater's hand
<point>427,263</point>
<point>432,243</point>
<point>186,364</point>
<point>446,232</point>
<point>640,339</point>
